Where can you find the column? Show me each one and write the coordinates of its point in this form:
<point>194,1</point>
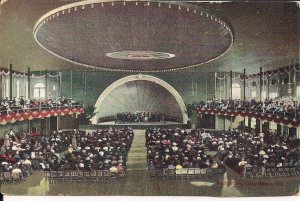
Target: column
<point>10,82</point>
<point>244,84</point>
<point>46,83</point>
<point>260,84</point>
<point>28,79</point>
<point>231,84</point>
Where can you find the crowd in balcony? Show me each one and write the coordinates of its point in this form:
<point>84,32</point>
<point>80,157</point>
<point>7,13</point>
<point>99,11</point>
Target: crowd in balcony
<point>240,150</point>
<point>67,150</point>
<point>15,105</point>
<point>280,106</point>
<point>176,149</point>
<point>140,117</point>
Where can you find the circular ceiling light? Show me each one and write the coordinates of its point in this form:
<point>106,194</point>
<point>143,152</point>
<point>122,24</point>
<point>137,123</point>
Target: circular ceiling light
<point>140,55</point>
<point>134,36</point>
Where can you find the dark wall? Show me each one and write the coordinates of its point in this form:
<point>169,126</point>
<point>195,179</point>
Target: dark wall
<point>191,86</point>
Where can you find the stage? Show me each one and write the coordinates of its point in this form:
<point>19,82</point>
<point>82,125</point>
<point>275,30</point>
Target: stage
<point>134,125</point>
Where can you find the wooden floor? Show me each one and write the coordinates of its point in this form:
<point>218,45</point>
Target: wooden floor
<point>138,183</point>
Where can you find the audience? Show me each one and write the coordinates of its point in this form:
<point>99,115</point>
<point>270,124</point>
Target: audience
<point>67,150</point>
<point>284,107</point>
<point>239,150</point>
<point>177,148</point>
<point>16,105</point>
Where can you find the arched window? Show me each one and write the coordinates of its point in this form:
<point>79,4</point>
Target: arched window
<point>298,91</point>
<point>253,123</point>
<point>274,82</point>
<point>18,89</point>
<point>253,94</point>
<point>285,80</point>
<point>236,91</point>
<point>39,90</point>
<point>273,95</point>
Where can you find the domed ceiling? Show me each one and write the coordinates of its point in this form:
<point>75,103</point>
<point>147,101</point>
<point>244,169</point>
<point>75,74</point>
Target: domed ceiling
<point>266,34</point>
<point>141,36</point>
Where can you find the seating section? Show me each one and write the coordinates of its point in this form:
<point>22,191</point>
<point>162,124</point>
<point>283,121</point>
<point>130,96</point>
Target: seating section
<point>68,155</point>
<point>255,155</point>
<point>17,105</point>
<point>280,110</point>
<point>179,154</point>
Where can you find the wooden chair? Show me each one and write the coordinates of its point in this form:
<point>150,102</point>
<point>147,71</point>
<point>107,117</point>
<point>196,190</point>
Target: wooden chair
<point>209,173</point>
<point>247,172</point>
<point>292,171</point>
<point>80,175</point>
<point>171,173</point>
<point>15,177</point>
<point>106,175</point>
<point>100,175</point>
<point>86,176</point>
<point>152,173</point>
<point>297,170</point>
<point>121,174</point>
<point>158,173</point>
<point>114,175</point>
<point>197,173</point>
<point>280,172</point>
<point>74,176</point>
<point>254,173</point>
<point>7,177</point>
<point>53,176</point>
<point>165,173</point>
<point>274,172</point>
<point>47,175</point>
<point>1,177</point>
<point>93,176</point>
<point>67,176</point>
<point>190,173</point>
<point>183,173</point>
<point>203,173</point>
<point>286,172</point>
<point>60,176</point>
<point>268,173</point>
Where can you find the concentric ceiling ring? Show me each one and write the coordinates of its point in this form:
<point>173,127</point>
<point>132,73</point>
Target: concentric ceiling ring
<point>133,36</point>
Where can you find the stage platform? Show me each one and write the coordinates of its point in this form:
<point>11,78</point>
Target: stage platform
<point>134,125</point>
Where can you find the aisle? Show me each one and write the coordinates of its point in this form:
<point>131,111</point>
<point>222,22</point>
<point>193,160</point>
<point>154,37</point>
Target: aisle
<point>137,153</point>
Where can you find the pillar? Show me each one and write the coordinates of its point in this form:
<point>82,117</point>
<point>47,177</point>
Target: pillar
<point>231,84</point>
<point>46,83</point>
<point>28,79</point>
<point>244,84</point>
<point>260,84</point>
<point>10,82</point>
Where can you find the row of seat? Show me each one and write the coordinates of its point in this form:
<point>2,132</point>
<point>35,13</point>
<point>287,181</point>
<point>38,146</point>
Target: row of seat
<point>186,173</point>
<point>12,177</point>
<point>83,176</point>
<point>258,173</point>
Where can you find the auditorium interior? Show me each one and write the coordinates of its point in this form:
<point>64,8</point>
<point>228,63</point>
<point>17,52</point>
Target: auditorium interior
<point>149,98</point>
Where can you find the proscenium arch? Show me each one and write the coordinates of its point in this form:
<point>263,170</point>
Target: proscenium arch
<point>142,77</point>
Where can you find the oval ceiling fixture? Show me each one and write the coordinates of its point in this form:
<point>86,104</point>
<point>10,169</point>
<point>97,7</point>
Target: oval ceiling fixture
<point>140,55</point>
<point>158,37</point>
